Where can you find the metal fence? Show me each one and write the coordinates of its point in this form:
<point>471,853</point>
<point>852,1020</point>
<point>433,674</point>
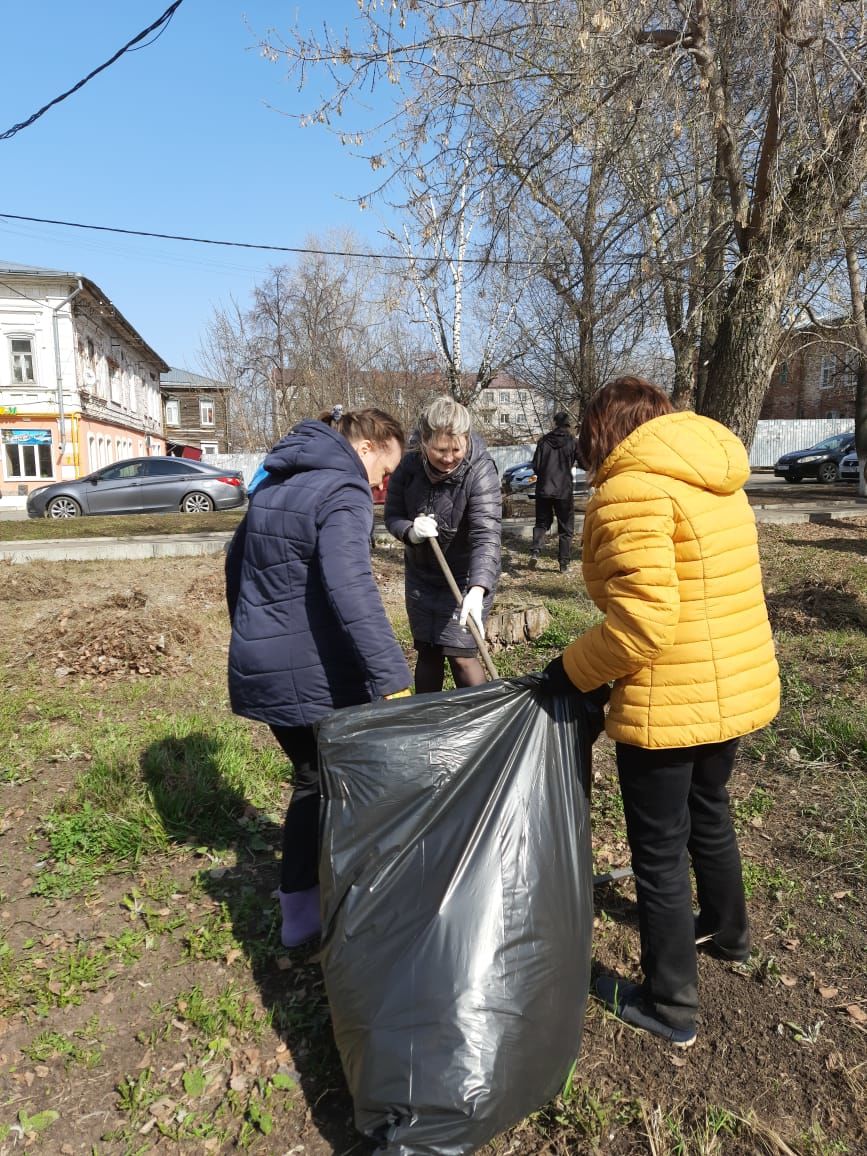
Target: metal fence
<point>783,435</point>
<point>772,439</point>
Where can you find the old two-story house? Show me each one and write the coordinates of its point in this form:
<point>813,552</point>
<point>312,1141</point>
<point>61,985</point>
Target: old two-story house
<point>815,374</point>
<point>79,386</point>
<point>511,410</point>
<point>196,413</point>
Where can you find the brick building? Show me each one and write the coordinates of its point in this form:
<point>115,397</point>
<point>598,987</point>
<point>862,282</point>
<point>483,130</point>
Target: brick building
<point>195,412</point>
<point>815,374</point>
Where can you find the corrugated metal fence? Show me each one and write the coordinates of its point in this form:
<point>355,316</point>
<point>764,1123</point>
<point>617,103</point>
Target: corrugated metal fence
<point>772,439</point>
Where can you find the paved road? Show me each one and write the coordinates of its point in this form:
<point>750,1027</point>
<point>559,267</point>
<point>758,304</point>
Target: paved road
<point>772,499</point>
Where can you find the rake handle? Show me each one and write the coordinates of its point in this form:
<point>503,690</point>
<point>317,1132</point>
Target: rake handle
<point>478,637</point>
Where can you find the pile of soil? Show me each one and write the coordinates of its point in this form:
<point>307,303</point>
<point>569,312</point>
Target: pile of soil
<point>30,583</point>
<point>206,590</point>
<point>817,606</point>
<point>121,636</point>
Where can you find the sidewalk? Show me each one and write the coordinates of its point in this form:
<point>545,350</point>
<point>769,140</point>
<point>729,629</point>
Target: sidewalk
<point>788,509</point>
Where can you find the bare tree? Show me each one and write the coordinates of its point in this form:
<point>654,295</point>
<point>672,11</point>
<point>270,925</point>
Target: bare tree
<point>773,93</point>
<point>322,331</point>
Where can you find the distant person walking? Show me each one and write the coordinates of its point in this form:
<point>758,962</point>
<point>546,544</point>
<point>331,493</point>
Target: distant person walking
<point>556,454</point>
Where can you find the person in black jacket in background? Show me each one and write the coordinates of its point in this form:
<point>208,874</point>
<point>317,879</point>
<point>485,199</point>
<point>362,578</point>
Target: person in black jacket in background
<point>447,488</point>
<point>556,454</point>
<point>309,631</point>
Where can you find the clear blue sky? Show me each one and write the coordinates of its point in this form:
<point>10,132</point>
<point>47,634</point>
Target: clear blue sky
<point>178,137</point>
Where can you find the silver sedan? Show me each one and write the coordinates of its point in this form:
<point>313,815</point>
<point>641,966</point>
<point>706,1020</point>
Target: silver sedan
<point>141,486</point>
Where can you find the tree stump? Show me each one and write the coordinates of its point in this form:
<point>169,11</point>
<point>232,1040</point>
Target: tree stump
<point>507,625</point>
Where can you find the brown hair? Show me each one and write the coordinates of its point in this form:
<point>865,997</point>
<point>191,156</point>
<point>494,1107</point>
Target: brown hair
<point>613,413</point>
<point>374,425</point>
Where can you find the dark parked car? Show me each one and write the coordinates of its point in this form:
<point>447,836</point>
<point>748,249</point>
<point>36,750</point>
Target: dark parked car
<point>847,470</point>
<point>522,480</point>
<point>515,479</point>
<point>141,486</point>
<point>819,461</point>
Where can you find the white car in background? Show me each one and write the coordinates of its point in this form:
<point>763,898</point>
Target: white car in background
<point>847,469</point>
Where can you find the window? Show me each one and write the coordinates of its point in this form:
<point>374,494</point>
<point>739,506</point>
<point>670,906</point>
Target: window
<point>114,380</point>
<point>783,373</point>
<point>206,411</point>
<point>850,371</point>
<point>209,448</point>
<point>21,349</point>
<point>504,419</point>
<point>829,366</point>
<point>121,472</point>
<point>27,454</point>
<point>173,411</point>
<point>166,468</point>
<point>505,397</point>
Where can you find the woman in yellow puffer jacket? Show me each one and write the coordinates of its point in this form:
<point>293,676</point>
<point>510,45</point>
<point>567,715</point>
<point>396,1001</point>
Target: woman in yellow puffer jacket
<point>670,557</point>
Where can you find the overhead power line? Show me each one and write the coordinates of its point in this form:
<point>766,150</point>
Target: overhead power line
<point>161,23</point>
<point>246,244</point>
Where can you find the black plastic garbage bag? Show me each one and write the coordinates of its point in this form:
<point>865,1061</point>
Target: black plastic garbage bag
<point>457,909</point>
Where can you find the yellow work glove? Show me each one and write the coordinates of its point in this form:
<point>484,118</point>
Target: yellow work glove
<point>398,694</point>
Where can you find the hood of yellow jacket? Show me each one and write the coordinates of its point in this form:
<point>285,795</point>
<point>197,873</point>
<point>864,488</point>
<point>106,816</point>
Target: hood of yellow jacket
<point>685,446</point>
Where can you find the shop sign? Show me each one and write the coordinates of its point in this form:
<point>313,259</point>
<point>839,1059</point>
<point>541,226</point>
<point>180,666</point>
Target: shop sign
<point>26,437</point>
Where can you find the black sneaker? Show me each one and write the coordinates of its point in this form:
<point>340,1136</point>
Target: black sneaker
<point>706,941</point>
<point>534,561</point>
<point>626,1001</point>
<point>564,567</point>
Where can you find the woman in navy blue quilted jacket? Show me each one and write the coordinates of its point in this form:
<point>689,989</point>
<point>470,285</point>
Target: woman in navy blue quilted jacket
<point>447,488</point>
<point>309,631</point>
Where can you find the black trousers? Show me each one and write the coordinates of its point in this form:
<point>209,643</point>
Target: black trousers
<point>677,808</point>
<point>299,869</point>
<point>564,511</point>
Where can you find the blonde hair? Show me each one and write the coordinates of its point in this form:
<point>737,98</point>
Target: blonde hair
<point>444,415</point>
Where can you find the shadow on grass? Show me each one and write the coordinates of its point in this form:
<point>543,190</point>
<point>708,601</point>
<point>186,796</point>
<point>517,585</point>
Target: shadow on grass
<point>200,808</point>
<point>842,545</point>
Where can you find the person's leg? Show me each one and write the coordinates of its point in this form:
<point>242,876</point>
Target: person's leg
<point>300,866</point>
<point>467,671</point>
<point>565,511</point>
<point>299,870</point>
<point>430,668</point>
<point>655,787</point>
<point>544,517</point>
<point>716,860</point>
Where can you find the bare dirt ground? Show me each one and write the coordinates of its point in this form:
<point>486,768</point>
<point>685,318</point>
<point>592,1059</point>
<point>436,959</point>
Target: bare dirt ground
<point>145,1003</point>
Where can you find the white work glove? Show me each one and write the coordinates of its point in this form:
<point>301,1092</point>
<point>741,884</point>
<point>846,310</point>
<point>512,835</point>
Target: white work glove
<point>425,526</point>
<point>472,605</point>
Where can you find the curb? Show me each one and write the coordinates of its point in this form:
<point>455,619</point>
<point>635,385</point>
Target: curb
<point>215,542</point>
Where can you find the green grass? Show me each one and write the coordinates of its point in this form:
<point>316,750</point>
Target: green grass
<point>118,526</point>
<point>78,1048</point>
<point>161,787</point>
<point>154,782</point>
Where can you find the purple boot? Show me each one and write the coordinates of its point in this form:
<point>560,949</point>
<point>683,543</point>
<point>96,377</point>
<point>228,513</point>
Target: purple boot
<point>301,918</point>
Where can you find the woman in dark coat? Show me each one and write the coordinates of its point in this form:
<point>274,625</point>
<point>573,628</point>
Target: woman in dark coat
<point>309,632</point>
<point>447,488</point>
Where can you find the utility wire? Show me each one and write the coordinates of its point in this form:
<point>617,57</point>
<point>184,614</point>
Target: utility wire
<point>162,22</point>
<point>207,240</point>
<point>528,262</point>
